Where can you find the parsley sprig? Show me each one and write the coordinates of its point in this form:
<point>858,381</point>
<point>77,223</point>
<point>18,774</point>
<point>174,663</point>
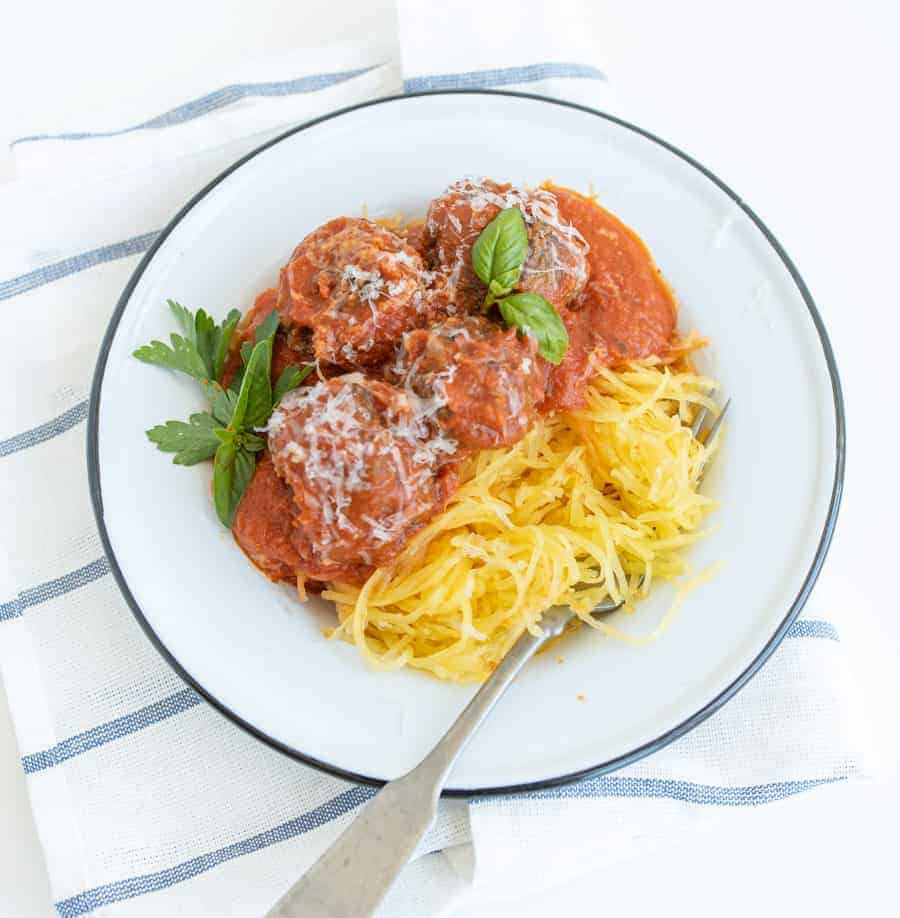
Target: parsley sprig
<point>201,350</point>
<point>229,432</point>
<point>498,257</point>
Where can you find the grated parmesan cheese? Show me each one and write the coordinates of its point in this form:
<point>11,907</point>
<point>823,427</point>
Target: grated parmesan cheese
<point>329,431</point>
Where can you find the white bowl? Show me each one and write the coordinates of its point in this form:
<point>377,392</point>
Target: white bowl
<point>257,654</point>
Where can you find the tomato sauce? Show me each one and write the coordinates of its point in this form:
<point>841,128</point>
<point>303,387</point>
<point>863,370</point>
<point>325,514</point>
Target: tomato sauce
<point>626,310</point>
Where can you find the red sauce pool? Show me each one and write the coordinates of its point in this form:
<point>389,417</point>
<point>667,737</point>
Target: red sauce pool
<point>626,310</point>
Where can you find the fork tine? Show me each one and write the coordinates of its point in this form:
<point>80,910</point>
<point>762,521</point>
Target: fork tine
<point>607,606</point>
<point>698,420</point>
<point>716,424</point>
<point>711,435</point>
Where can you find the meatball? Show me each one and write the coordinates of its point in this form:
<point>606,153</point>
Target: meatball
<point>365,471</point>
<point>555,266</point>
<point>358,286</point>
<point>414,234</point>
<point>262,308</point>
<point>289,348</point>
<point>483,382</point>
<point>263,523</point>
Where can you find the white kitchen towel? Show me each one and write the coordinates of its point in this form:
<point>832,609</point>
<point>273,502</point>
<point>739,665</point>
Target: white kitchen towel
<point>147,801</point>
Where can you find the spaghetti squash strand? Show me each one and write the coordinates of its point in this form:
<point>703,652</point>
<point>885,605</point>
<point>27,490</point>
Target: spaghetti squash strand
<point>591,504</point>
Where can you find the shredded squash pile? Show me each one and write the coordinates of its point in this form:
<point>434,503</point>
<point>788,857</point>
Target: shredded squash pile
<point>604,499</point>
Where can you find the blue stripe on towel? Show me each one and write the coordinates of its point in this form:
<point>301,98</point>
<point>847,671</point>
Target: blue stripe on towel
<point>112,730</point>
<point>60,269</point>
<point>608,786</point>
<point>813,628</point>
<point>503,76</point>
<point>11,609</point>
<point>684,791</point>
<point>60,424</point>
<point>145,883</point>
<point>44,592</point>
<point>227,95</point>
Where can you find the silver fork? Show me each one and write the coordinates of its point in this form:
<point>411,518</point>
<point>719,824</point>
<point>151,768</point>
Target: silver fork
<point>352,877</point>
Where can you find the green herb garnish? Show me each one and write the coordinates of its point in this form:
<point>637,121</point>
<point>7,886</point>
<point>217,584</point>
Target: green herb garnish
<point>232,470</point>
<point>191,442</point>
<point>499,253</point>
<point>498,256</point>
<point>202,349</point>
<point>531,313</point>
<point>289,378</point>
<point>226,433</point>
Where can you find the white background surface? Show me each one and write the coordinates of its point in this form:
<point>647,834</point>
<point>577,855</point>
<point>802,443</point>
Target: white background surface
<point>794,105</point>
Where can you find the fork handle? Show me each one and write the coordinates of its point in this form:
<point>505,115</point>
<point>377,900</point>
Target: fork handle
<point>352,877</point>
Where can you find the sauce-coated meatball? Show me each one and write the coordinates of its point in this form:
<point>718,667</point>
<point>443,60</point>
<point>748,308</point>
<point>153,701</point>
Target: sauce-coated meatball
<point>358,286</point>
<point>263,523</point>
<point>365,470</point>
<point>555,266</point>
<point>484,382</point>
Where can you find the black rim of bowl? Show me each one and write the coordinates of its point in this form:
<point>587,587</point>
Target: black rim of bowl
<point>602,767</point>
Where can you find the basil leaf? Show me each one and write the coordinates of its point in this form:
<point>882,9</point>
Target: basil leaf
<point>191,442</point>
<point>500,251</point>
<point>496,289</point>
<point>254,401</point>
<point>289,378</point>
<point>531,313</point>
<point>223,342</point>
<point>268,327</point>
<point>205,340</point>
<point>233,470</point>
<point>182,356</point>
